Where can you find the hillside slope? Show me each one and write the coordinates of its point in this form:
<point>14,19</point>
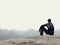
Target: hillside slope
<point>39,40</point>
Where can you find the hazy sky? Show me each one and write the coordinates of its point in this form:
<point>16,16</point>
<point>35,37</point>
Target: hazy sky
<point>27,14</point>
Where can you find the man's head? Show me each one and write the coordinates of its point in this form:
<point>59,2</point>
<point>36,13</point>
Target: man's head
<point>49,20</point>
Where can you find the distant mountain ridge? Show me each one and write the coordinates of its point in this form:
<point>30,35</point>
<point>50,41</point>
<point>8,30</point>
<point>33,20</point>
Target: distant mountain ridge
<point>6,34</point>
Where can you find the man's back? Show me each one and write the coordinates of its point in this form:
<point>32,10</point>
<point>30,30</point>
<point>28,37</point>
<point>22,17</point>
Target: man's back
<point>50,27</point>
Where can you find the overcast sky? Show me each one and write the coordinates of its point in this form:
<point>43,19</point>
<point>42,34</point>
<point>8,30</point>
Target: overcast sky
<point>28,14</point>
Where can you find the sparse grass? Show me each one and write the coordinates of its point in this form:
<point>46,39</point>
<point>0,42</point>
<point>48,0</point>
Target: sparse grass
<point>31,42</point>
<point>21,43</point>
<point>26,43</point>
<point>12,42</point>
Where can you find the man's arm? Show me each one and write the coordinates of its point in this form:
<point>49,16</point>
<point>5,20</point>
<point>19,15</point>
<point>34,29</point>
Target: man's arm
<point>42,26</point>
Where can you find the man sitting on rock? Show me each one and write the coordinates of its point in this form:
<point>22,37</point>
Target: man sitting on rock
<point>49,30</point>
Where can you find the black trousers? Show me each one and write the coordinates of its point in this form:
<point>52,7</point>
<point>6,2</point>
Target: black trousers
<point>46,31</point>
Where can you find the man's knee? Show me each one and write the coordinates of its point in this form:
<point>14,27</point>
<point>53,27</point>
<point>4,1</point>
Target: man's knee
<point>41,26</point>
